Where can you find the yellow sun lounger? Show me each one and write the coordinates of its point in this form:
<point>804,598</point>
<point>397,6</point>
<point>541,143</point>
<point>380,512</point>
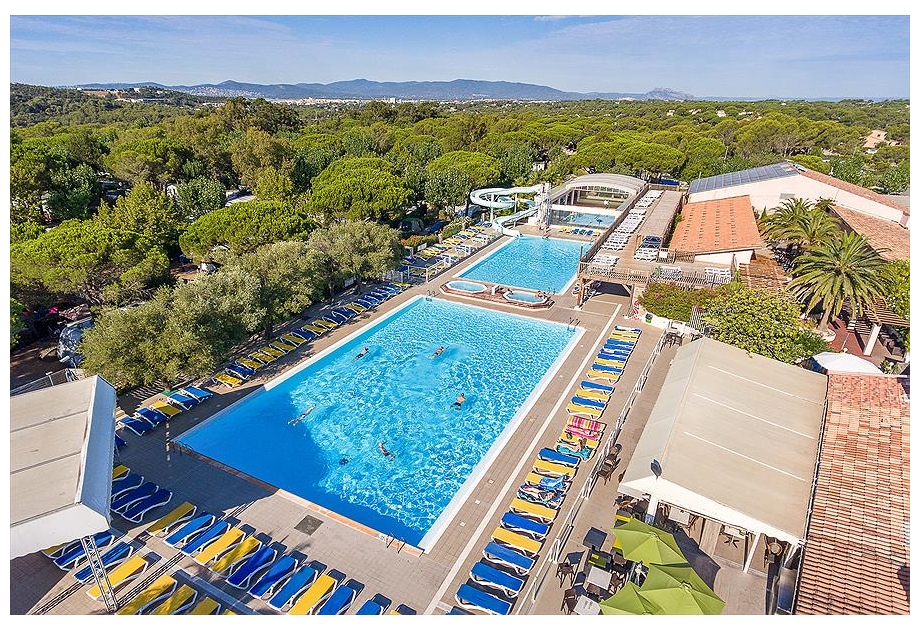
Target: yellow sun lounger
<point>129,569</point>
<point>517,541</point>
<point>613,377</point>
<point>226,379</point>
<point>179,515</point>
<point>252,365</point>
<point>206,606</point>
<point>229,539</point>
<point>228,612</point>
<point>554,469</point>
<point>231,560</point>
<point>119,471</point>
<point>356,307</point>
<point>610,362</point>
<point>319,330</point>
<point>261,356</point>
<point>314,595</point>
<point>164,407</point>
<point>539,512</point>
<point>283,345</point>
<point>322,324</point>
<point>573,439</point>
<point>580,410</point>
<point>593,394</point>
<point>182,599</point>
<point>275,352</point>
<point>296,341</point>
<point>164,586</point>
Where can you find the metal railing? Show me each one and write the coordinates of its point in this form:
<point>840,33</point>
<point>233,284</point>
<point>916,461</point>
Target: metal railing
<point>568,525</point>
<point>48,380</point>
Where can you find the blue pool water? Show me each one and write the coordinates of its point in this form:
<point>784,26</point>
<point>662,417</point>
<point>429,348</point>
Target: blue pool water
<point>524,296</point>
<point>470,287</point>
<point>530,262</point>
<point>396,393</point>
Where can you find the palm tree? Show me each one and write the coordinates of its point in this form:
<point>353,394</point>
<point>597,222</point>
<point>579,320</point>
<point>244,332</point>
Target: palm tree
<point>845,269</point>
<point>813,229</point>
<point>789,213</point>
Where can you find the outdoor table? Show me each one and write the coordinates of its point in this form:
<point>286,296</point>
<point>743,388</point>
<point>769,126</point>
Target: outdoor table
<point>600,559</point>
<point>586,606</point>
<point>598,577</point>
<point>594,538</point>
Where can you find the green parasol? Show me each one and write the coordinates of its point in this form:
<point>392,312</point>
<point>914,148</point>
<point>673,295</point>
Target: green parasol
<point>628,601</point>
<point>678,590</point>
<point>643,543</point>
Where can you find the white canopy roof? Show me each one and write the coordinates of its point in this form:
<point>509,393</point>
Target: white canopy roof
<point>737,437</point>
<point>844,362</point>
<point>61,452</point>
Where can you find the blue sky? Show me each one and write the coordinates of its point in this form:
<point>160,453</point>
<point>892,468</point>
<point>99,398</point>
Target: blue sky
<point>789,56</point>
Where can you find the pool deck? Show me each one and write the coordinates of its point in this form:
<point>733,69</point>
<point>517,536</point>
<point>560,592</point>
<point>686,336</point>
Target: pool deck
<point>425,582</point>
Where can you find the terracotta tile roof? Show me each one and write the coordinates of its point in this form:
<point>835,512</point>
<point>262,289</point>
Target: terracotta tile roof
<point>764,273</point>
<point>857,555</point>
<point>880,233</point>
<point>865,193</point>
<point>718,225</point>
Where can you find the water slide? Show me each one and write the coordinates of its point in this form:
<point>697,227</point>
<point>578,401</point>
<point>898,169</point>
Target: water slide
<point>504,199</point>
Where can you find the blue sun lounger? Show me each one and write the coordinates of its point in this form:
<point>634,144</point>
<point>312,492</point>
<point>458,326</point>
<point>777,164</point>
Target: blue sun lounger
<point>203,539</point>
<point>381,295</point>
<point>240,371</point>
<point>550,455</point>
<point>619,347</point>
<point>523,525</point>
<point>366,303</point>
<point>247,573</point>
<point>136,512</point>
<point>309,335</point>
<point>338,319</point>
<point>295,585</point>
<point>183,401</point>
<point>343,597</point>
<point>344,312</point>
<point>371,298</point>
<point>499,580</point>
<point>151,415</point>
<point>128,498</point>
<point>606,368</point>
<point>516,561</point>
<point>125,484</point>
<point>638,331</point>
<point>617,350</point>
<point>597,386</point>
<point>265,586</point>
<point>120,442</point>
<point>377,605</point>
<point>111,558</point>
<point>189,530</point>
<point>137,425</point>
<point>76,554</point>
<point>474,599</point>
<point>588,402</point>
<point>197,392</point>
<point>456,610</point>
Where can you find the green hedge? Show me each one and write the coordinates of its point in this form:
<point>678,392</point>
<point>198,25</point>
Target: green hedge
<point>670,301</point>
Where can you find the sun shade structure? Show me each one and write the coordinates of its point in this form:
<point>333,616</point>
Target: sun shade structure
<point>628,601</point>
<point>736,436</point>
<point>646,544</point>
<point>678,590</point>
<point>843,362</point>
<point>62,443</point>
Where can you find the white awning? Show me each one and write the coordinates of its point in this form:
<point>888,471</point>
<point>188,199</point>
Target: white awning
<point>736,435</point>
<point>61,451</point>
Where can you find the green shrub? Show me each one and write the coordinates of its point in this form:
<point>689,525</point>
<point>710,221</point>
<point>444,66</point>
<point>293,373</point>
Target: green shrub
<point>671,301</point>
<point>451,228</point>
<point>418,239</point>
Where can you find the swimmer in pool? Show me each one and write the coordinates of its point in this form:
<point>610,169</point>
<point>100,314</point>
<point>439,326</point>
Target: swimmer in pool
<point>459,402</point>
<point>438,352</point>
<point>362,353</point>
<point>383,450</point>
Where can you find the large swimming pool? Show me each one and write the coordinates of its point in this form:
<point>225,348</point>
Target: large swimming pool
<point>400,395</point>
<point>530,262</point>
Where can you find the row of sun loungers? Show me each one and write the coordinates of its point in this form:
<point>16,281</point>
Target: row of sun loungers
<point>150,416</point>
<point>608,365</point>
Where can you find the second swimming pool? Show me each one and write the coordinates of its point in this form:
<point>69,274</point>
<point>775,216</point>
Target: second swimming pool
<point>530,262</point>
<point>399,395</point>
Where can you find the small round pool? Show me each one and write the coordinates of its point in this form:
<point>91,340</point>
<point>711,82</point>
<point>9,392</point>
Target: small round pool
<point>524,296</point>
<point>466,287</point>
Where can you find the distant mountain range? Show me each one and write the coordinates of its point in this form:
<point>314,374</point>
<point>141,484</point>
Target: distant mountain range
<point>362,89</point>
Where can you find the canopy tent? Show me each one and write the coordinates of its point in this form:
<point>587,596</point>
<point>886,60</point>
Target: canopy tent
<point>735,437</point>
<point>844,362</point>
<point>61,450</point>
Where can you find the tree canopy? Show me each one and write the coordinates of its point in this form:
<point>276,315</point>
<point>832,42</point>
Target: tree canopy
<point>359,188</point>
